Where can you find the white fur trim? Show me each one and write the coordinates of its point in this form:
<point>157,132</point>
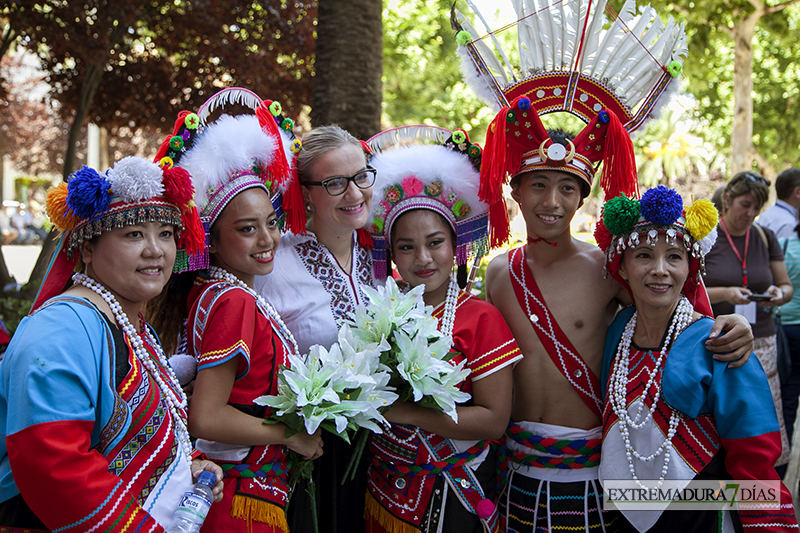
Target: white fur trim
<point>707,242</point>
<point>428,163</point>
<point>134,179</point>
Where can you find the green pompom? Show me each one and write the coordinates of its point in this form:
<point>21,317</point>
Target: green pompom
<point>463,37</point>
<point>459,137</point>
<point>620,214</point>
<point>275,108</point>
<point>674,68</point>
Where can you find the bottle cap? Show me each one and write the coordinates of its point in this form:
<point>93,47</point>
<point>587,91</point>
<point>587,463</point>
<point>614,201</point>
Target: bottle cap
<point>207,478</point>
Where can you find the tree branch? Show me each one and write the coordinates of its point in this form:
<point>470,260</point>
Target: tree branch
<point>779,7</point>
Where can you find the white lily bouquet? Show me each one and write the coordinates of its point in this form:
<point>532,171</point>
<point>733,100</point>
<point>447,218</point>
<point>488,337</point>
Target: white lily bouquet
<point>340,390</point>
<point>411,348</point>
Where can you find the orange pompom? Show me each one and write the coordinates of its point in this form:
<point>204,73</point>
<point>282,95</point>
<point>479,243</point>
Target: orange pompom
<point>56,208</point>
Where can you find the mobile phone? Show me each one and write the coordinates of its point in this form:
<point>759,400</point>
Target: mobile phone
<point>760,297</point>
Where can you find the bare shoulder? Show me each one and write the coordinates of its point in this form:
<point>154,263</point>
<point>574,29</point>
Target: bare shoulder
<point>496,275</point>
<point>496,266</point>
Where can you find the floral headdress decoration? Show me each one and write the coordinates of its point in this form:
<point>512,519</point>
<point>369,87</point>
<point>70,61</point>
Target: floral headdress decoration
<point>626,222</point>
<point>134,191</point>
<point>427,168</point>
<point>233,154</point>
<point>613,72</point>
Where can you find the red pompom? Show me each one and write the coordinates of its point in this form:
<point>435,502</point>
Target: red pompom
<point>178,187</point>
<point>193,237</point>
<point>485,508</point>
<point>602,236</point>
<point>293,206</point>
<point>364,239</point>
<point>278,171</point>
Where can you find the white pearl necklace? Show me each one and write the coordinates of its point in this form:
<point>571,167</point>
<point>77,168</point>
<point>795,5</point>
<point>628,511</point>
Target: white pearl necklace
<point>224,275</point>
<point>449,312</point>
<point>619,391</point>
<point>174,395</point>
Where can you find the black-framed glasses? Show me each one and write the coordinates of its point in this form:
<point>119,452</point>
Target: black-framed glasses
<point>336,185</point>
<point>757,178</point>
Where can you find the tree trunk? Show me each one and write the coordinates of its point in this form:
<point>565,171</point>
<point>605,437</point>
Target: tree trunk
<point>742,149</point>
<point>348,66</point>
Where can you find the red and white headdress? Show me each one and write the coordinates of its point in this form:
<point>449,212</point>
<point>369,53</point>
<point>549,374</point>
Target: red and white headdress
<point>426,167</point>
<point>233,154</point>
<point>612,72</point>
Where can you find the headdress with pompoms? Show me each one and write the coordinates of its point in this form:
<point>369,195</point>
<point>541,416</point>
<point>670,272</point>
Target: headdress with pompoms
<point>626,222</point>
<point>233,154</point>
<point>133,191</point>
<point>613,73</point>
<point>426,167</point>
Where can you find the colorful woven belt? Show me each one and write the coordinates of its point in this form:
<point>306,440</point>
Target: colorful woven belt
<point>276,469</point>
<point>585,447</point>
<point>434,467</point>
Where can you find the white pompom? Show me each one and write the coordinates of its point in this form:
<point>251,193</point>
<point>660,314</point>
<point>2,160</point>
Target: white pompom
<point>134,179</point>
<point>184,366</point>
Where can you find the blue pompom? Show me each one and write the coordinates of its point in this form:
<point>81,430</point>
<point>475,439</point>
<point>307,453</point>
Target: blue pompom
<point>87,193</point>
<point>602,117</point>
<point>661,205</point>
<point>524,104</point>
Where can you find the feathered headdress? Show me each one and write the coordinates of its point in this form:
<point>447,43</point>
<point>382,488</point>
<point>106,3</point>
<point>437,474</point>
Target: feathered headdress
<point>626,222</point>
<point>233,154</point>
<point>133,191</point>
<point>426,167</point>
<point>613,73</point>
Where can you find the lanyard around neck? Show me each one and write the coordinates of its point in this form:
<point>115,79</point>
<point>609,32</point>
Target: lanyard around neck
<point>742,260</point>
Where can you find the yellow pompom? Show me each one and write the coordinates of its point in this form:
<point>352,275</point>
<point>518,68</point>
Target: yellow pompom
<point>701,218</point>
<point>56,208</point>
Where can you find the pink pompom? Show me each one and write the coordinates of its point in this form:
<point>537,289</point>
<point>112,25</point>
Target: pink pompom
<point>485,508</point>
<point>412,186</point>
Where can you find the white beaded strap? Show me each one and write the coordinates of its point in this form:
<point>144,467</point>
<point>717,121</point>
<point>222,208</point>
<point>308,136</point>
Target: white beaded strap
<point>173,396</point>
<point>283,331</point>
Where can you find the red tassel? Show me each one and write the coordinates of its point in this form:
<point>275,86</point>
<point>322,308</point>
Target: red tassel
<point>278,171</point>
<point>164,148</point>
<point>366,148</point>
<point>293,206</point>
<point>619,164</point>
<point>499,230</point>
<point>364,239</point>
<point>494,157</point>
<point>193,237</point>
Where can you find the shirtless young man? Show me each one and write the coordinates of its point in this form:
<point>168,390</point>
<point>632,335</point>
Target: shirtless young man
<point>551,421</point>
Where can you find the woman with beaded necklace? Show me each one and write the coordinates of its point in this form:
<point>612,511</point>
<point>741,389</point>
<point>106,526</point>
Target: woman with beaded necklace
<point>93,419</point>
<point>673,413</point>
<point>426,215</point>
<point>239,340</point>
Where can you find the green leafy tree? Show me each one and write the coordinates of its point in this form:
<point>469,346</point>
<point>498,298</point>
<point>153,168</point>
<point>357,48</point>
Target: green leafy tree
<point>422,81</point>
<point>735,49</point>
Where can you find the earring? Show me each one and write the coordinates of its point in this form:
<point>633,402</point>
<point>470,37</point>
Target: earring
<point>310,207</point>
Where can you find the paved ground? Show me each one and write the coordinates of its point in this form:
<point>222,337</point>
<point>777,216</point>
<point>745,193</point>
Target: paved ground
<point>20,259</point>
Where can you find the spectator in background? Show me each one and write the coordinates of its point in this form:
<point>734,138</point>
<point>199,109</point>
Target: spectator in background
<point>745,274</point>
<point>781,218</point>
<point>790,317</point>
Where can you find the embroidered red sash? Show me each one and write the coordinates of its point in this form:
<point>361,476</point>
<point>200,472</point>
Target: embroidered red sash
<point>555,342</point>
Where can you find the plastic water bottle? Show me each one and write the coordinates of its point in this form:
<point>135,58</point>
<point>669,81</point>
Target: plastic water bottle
<point>194,506</point>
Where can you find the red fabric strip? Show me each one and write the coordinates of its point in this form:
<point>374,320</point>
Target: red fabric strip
<point>555,342</point>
